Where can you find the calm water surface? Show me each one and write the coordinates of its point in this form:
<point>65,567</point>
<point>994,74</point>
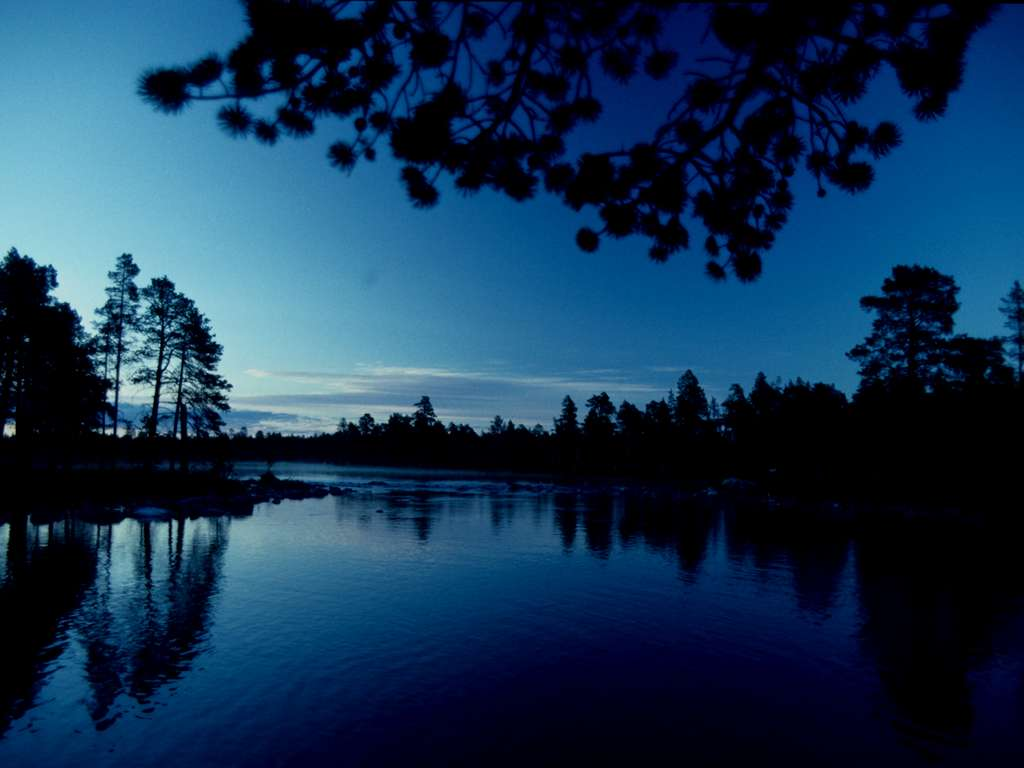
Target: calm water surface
<point>439,619</point>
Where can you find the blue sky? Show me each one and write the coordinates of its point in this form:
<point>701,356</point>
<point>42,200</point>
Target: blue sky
<point>333,296</point>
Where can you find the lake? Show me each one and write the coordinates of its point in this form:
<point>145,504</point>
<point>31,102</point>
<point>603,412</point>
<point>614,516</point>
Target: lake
<point>455,619</point>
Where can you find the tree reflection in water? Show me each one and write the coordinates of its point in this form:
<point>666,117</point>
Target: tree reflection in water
<point>140,630</point>
<point>932,603</point>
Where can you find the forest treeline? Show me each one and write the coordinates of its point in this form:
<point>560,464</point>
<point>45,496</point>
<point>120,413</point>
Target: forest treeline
<point>60,386</point>
<point>937,417</point>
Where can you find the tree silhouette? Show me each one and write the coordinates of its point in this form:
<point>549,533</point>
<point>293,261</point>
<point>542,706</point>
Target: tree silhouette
<point>367,425</point>
<point>737,412</point>
<point>118,317</point>
<point>424,419</point>
<point>598,421</point>
<point>599,431</point>
<point>913,321</point>
<point>48,381</point>
<point>201,391</point>
<point>489,93</point>
<point>689,404</point>
<point>159,326</point>
<point>24,292</point>
<point>567,434</point>
<point>972,363</point>
<point>1012,306</point>
<point>631,430</point>
<point>567,424</point>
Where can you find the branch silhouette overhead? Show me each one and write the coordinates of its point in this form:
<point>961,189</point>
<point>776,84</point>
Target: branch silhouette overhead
<point>488,94</point>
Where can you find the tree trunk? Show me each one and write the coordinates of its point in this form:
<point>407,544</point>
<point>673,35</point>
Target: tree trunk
<point>117,379</point>
<point>106,368</point>
<point>178,402</point>
<point>184,438</point>
<point>5,391</point>
<point>155,412</point>
<point>178,396</point>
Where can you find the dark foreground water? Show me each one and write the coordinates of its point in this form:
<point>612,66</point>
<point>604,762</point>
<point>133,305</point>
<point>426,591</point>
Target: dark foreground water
<point>426,621</point>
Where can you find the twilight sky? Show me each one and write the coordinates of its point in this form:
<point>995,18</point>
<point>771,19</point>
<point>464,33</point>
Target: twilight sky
<point>332,296</point>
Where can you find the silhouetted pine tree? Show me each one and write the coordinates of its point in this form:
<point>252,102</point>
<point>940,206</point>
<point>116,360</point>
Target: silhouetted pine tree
<point>201,393</point>
<point>49,386</point>
<point>599,433</point>
<point>690,404</point>
<point>913,321</point>
<point>567,435</point>
<point>118,318</point>
<point>424,419</point>
<point>159,333</point>
<point>1012,306</point>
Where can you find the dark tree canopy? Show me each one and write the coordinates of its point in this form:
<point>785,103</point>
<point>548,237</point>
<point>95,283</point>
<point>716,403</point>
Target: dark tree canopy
<point>201,393</point>
<point>1012,307</point>
<point>159,330</point>
<point>688,402</point>
<point>117,319</point>
<point>567,424</point>
<point>913,322</point>
<point>972,363</point>
<point>48,383</point>
<point>488,93</point>
<point>424,418</point>
<point>599,423</point>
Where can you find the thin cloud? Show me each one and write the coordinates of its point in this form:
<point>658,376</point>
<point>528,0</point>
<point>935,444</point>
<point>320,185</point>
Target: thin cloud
<point>464,396</point>
<point>377,378</point>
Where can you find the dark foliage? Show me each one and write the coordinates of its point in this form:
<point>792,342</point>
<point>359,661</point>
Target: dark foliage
<point>488,93</point>
<point>177,351</point>
<point>54,378</point>
<point>49,389</point>
<point>927,423</point>
<point>1012,307</point>
<point>913,321</point>
<point>117,320</point>
<point>926,426</point>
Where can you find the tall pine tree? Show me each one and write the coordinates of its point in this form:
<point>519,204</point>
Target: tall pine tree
<point>159,330</point>
<point>1012,306</point>
<point>118,318</point>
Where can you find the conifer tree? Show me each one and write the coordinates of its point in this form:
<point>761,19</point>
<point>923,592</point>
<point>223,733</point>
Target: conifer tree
<point>159,331</point>
<point>689,403</point>
<point>1012,306</point>
<point>913,323</point>
<point>200,392</point>
<point>117,321</point>
<point>567,424</point>
<point>48,382</point>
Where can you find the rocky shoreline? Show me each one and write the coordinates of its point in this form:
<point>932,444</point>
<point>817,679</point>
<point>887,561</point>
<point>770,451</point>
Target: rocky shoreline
<point>159,495</point>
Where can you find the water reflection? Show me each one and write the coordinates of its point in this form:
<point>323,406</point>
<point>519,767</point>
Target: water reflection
<point>678,529</point>
<point>567,515</point>
<point>137,595</point>
<point>936,603</point>
<point>46,571</point>
<point>923,609</point>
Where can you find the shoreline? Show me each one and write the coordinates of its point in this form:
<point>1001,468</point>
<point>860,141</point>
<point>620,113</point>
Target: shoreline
<point>155,494</point>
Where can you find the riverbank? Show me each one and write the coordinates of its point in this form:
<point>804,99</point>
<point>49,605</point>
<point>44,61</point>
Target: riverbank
<point>110,494</point>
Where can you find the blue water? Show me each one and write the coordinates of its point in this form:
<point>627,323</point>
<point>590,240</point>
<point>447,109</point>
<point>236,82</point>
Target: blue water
<point>452,619</point>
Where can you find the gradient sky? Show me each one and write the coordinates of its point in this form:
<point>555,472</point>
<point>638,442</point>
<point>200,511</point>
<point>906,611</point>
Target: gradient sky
<point>332,296</point>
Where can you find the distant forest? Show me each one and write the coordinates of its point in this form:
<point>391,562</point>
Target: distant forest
<point>938,415</point>
<point>937,418</point>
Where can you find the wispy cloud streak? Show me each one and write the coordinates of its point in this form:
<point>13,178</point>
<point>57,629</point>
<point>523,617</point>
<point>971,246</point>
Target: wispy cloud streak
<point>469,396</point>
